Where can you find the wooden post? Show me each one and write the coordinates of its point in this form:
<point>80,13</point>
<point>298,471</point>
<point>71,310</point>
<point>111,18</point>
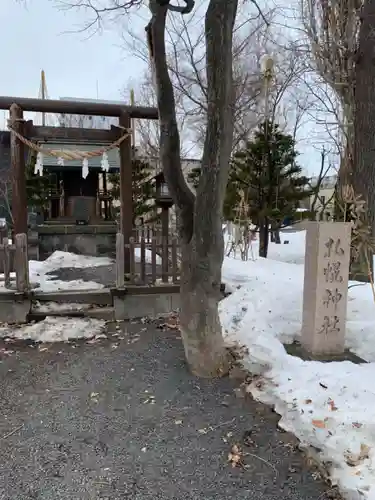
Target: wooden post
<point>153,260</point>
<point>120,273</point>
<point>6,262</point>
<point>105,191</point>
<point>164,239</point>
<point>17,153</point>
<point>126,190</point>
<point>131,247</point>
<point>143,261</point>
<point>174,261</point>
<point>21,262</point>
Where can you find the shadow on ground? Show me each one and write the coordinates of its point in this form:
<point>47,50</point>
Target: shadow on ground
<point>123,419</point>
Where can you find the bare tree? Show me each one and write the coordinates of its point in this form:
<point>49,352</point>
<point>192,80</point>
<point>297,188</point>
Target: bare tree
<point>147,132</point>
<point>332,28</point>
<point>317,184</point>
<point>185,45</point>
<point>364,179</point>
<point>200,215</point>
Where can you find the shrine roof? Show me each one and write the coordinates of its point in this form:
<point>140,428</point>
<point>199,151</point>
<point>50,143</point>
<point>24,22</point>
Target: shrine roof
<point>50,162</point>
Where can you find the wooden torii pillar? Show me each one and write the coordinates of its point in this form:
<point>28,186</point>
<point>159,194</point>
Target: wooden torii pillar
<point>18,172</point>
<point>126,189</point>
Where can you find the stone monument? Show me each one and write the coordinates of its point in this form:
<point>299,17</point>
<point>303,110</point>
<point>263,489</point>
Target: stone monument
<point>325,289</point>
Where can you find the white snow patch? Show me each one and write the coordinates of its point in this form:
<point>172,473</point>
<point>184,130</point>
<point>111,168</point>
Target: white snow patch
<point>51,307</point>
<point>45,282</point>
<point>60,259</point>
<point>327,405</point>
<point>148,256</point>
<point>54,329</point>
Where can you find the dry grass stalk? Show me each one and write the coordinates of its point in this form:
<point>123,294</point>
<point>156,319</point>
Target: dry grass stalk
<point>354,209</point>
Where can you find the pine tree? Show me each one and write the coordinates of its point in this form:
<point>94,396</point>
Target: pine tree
<point>143,188</point>
<point>267,173</point>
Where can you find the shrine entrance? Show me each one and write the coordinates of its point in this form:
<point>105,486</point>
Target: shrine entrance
<point>77,161</point>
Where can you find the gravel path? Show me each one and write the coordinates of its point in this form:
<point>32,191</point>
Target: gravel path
<point>124,419</point>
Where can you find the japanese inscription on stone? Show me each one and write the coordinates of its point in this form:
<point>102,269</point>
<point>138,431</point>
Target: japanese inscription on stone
<point>325,286</point>
<point>332,295</point>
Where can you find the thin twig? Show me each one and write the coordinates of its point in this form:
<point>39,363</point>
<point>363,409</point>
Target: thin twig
<point>12,432</point>
<point>222,424</point>
<point>262,460</point>
<point>260,12</point>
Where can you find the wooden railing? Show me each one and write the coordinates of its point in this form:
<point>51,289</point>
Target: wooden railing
<point>14,265</point>
<point>152,262</point>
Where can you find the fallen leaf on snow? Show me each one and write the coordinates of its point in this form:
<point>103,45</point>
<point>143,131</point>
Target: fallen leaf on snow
<point>332,405</point>
<point>320,424</point>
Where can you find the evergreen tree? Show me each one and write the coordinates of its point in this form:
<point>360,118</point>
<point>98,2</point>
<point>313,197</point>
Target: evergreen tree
<point>143,187</point>
<point>267,173</point>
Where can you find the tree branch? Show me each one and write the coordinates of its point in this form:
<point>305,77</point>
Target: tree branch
<point>169,134</point>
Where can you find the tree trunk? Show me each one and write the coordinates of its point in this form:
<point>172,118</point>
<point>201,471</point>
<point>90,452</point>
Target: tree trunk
<point>364,129</point>
<point>201,218</point>
<point>277,237</point>
<point>264,235</point>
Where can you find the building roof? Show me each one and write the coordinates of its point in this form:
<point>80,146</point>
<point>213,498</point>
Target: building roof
<point>328,182</point>
<point>50,162</point>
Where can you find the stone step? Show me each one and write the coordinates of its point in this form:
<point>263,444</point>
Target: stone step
<point>101,297</point>
<point>105,313</point>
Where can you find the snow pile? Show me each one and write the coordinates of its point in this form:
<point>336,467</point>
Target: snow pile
<point>330,406</point>
<point>54,329</point>
<point>60,259</point>
<point>39,271</point>
<point>57,307</point>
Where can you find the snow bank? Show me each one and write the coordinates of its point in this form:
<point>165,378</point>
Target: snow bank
<point>330,406</point>
<point>54,329</point>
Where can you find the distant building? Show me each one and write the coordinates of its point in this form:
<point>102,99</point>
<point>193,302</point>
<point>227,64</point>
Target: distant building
<point>325,204</point>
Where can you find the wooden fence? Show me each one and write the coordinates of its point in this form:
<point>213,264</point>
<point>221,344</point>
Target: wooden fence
<point>14,263</point>
<point>152,261</point>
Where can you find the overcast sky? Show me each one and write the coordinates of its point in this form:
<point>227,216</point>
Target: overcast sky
<point>34,38</point>
<point>34,34</point>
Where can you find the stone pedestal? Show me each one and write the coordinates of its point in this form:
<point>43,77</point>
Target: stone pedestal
<point>325,287</point>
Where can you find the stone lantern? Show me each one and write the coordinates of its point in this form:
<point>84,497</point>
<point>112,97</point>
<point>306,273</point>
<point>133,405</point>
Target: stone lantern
<point>163,200</point>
